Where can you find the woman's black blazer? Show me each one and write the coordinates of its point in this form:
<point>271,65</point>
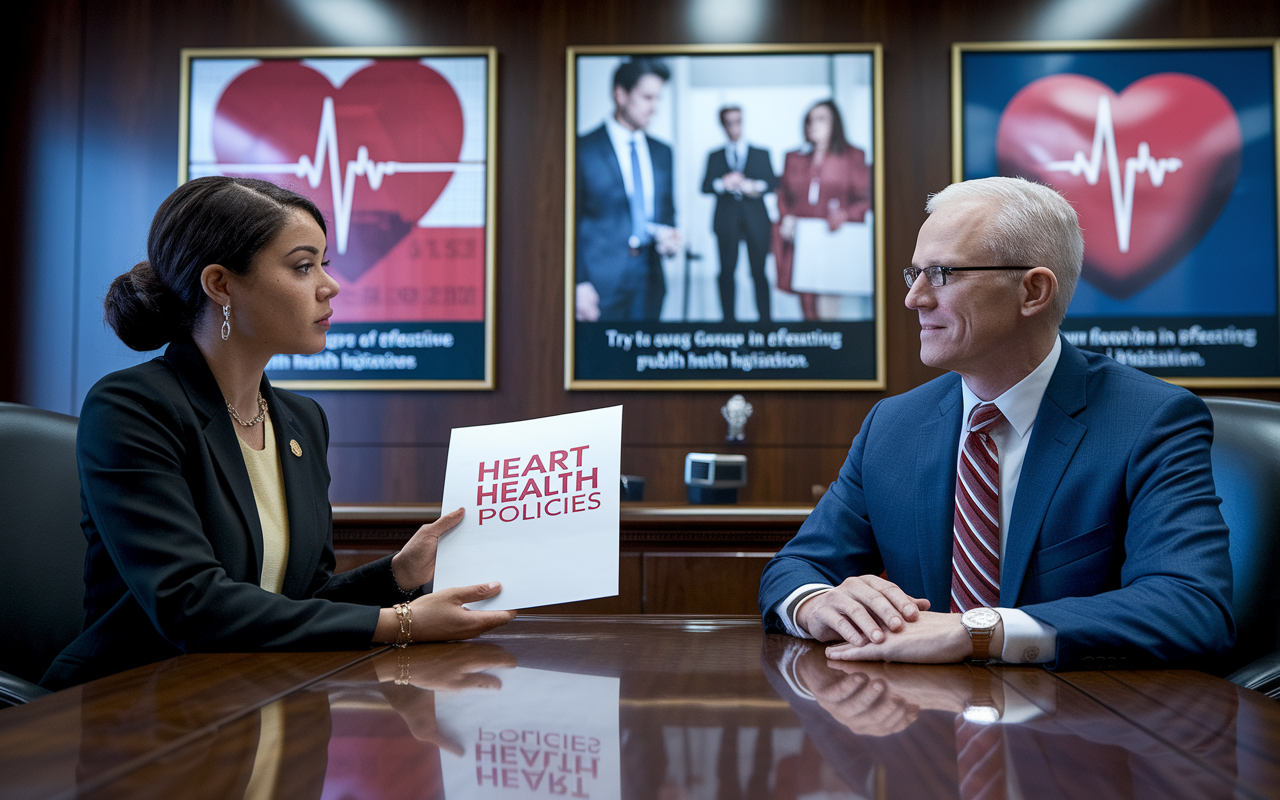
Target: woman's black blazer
<point>174,543</point>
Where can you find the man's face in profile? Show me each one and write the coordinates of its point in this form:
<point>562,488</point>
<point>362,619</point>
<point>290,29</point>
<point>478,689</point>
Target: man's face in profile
<point>732,122</point>
<point>636,107</point>
<point>968,325</point>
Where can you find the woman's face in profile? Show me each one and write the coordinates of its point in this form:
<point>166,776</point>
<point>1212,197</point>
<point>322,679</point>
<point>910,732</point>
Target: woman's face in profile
<point>817,126</point>
<point>283,306</point>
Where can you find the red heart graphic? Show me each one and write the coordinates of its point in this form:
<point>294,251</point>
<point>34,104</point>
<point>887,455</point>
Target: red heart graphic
<point>1174,134</point>
<point>390,111</point>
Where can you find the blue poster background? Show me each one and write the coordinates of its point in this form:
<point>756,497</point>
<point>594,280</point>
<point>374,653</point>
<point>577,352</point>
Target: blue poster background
<point>1233,270</point>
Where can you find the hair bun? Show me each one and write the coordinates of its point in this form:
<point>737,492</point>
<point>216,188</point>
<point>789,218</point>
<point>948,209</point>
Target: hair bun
<point>142,311</point>
<point>211,220</point>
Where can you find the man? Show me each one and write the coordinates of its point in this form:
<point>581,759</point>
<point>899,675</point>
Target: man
<point>625,206</point>
<point>1080,506</point>
<point>739,176</point>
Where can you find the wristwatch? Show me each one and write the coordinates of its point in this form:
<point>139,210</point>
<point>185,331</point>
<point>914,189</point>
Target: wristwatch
<point>981,707</point>
<point>980,623</point>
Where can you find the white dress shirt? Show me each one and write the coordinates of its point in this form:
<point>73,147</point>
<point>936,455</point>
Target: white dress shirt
<point>735,154</point>
<point>622,139</point>
<point>1026,639</point>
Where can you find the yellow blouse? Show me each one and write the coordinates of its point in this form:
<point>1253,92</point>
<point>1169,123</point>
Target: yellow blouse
<point>268,493</point>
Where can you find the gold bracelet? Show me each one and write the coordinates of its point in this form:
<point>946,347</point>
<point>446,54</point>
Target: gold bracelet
<point>400,636</point>
<point>404,663</point>
<point>405,615</point>
<point>402,639</point>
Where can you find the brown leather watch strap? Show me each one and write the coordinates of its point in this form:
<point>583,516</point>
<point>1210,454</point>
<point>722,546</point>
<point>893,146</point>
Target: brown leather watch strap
<point>981,646</point>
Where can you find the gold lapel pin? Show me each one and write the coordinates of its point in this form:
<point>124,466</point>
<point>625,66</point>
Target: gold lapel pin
<point>295,447</point>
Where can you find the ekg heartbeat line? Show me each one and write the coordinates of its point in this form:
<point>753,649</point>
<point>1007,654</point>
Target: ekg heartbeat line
<point>1104,142</point>
<point>343,185</point>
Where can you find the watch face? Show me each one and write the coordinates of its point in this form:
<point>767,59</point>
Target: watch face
<point>980,619</point>
<point>983,715</point>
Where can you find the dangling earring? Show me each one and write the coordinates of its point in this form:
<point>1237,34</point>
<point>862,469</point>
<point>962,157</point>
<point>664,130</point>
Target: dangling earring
<point>226,321</point>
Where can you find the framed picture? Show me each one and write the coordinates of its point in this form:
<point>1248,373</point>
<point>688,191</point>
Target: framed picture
<point>1167,150</point>
<point>396,147</point>
<point>723,226</point>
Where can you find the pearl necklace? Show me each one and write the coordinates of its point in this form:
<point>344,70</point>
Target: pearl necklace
<point>262,413</point>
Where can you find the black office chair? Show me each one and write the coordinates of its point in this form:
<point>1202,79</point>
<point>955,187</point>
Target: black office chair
<point>1246,470</point>
<point>41,546</point>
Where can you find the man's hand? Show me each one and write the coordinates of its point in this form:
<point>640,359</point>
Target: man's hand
<point>859,611</point>
<point>587,307</point>
<point>861,701</point>
<point>882,699</point>
<point>415,564</point>
<point>932,639</point>
<point>667,240</point>
<point>733,181</point>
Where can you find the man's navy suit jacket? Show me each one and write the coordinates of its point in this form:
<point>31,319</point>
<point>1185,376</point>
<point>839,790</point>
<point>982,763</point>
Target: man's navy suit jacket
<point>740,216</point>
<point>1115,537</point>
<point>604,215</point>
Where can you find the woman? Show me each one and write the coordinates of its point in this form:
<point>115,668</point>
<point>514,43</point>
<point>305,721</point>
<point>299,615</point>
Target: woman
<point>205,490</point>
<point>828,179</point>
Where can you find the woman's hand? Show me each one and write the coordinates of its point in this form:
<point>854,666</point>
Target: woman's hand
<point>836,217</point>
<point>440,617</point>
<point>788,228</point>
<point>451,667</point>
<point>415,564</point>
<point>409,679</point>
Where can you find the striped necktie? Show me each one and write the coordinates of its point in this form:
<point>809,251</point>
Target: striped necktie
<point>980,756</point>
<point>975,553</point>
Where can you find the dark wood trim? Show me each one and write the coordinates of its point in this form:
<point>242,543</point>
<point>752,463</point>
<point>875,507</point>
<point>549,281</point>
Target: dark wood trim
<point>643,528</point>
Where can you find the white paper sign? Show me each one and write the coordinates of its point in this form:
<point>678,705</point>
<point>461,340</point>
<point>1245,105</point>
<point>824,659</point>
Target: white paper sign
<point>544,734</point>
<point>833,263</point>
<point>541,500</point>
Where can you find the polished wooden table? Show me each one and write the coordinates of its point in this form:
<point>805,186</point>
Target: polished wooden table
<point>672,560</point>
<point>635,707</point>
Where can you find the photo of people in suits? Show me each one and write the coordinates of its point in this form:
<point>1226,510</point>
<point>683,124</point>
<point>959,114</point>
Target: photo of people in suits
<point>688,200</point>
<point>739,175</point>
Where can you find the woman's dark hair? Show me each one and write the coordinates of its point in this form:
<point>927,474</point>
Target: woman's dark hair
<point>838,143</point>
<point>212,220</point>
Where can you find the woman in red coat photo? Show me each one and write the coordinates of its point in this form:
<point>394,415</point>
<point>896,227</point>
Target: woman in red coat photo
<point>827,179</point>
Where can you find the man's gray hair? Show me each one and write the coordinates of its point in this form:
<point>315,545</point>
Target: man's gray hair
<point>1034,227</point>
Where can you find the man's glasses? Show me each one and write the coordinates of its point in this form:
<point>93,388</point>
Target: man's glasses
<point>937,276</point>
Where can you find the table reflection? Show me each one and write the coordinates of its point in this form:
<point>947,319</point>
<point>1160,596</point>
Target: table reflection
<point>387,740</point>
<point>371,731</point>
<point>902,730</point>
<point>654,709</point>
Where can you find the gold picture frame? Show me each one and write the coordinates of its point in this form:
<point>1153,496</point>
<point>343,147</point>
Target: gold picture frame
<point>409,195</point>
<point>1153,293</point>
<point>648,338</point>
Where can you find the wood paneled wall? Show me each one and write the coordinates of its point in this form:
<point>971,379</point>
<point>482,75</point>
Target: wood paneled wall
<point>123,57</point>
<point>16,99</point>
